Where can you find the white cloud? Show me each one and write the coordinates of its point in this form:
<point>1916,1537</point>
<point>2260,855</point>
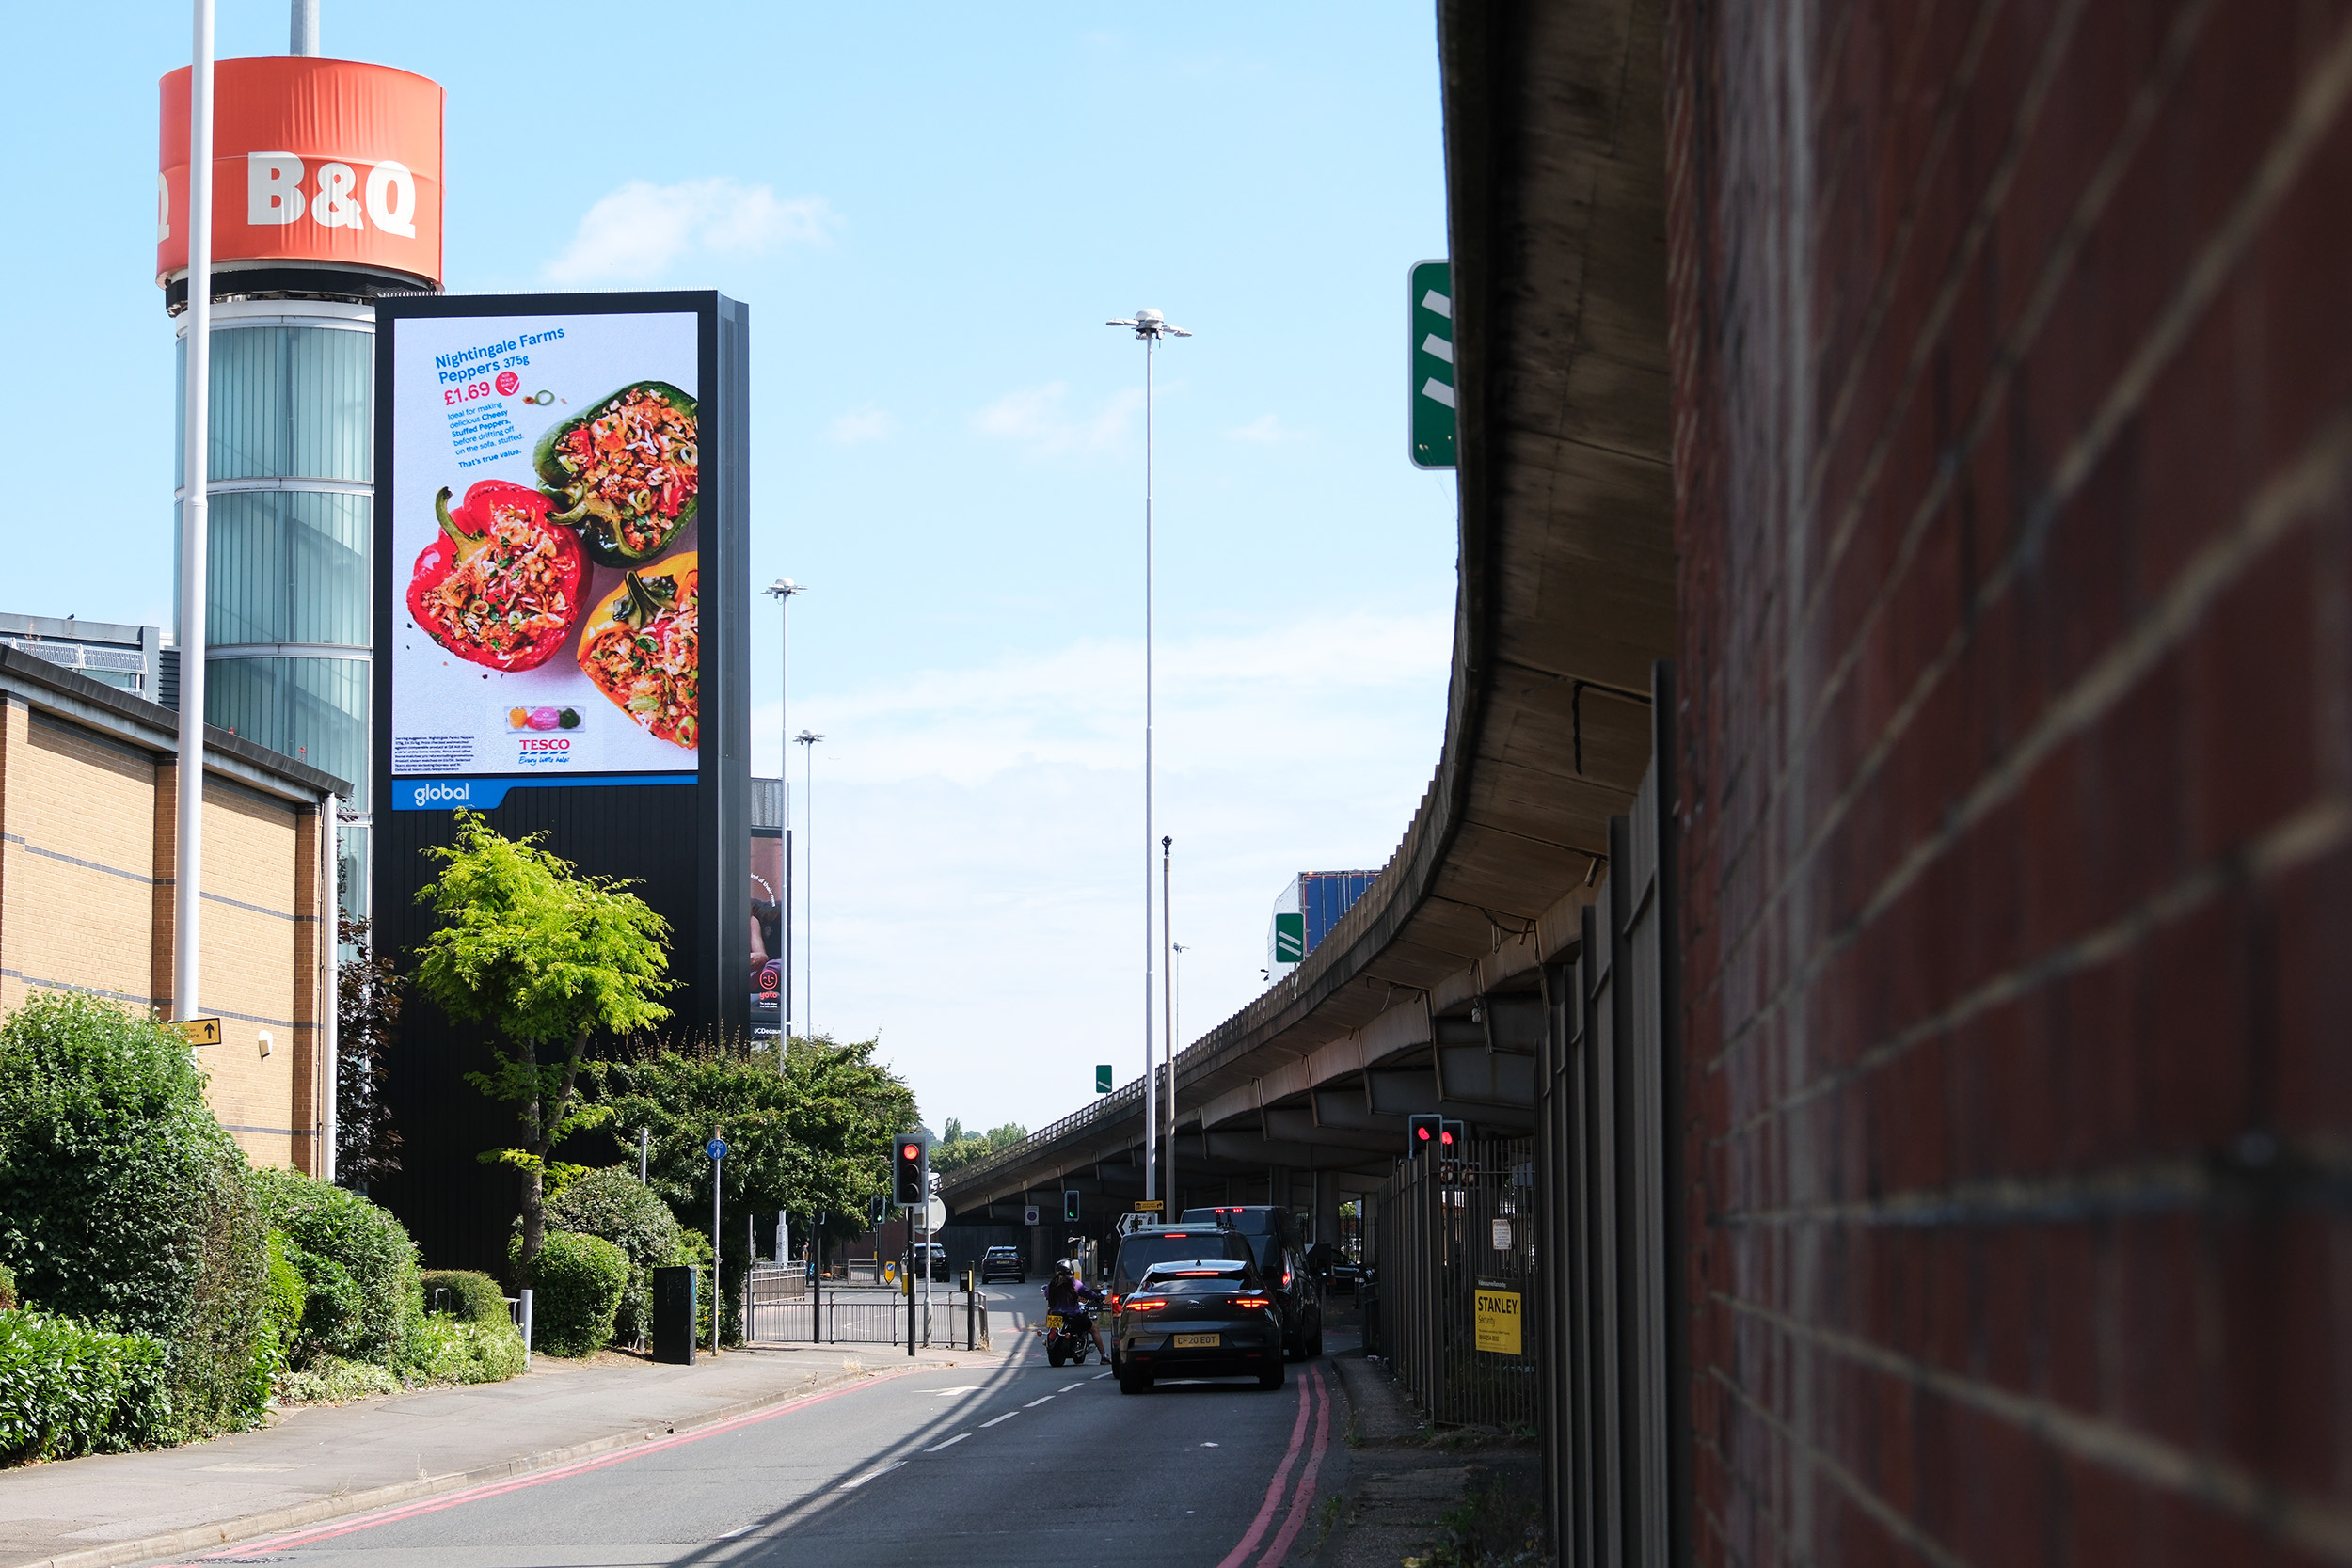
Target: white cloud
<point>1040,419</point>
<point>1266,429</point>
<point>861,424</point>
<point>989,820</point>
<point>637,233</point>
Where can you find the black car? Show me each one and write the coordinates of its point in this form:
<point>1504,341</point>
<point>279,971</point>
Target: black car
<point>1003,1262</point>
<point>1214,1317</point>
<point>1273,1246</point>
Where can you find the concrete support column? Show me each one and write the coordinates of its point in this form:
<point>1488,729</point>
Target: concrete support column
<point>1326,1207</point>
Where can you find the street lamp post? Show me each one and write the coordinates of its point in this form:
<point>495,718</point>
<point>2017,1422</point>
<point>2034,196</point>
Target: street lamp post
<point>807,741</point>
<point>1169,1006</point>
<point>781,590</point>
<point>1150,326</point>
<point>189,816</point>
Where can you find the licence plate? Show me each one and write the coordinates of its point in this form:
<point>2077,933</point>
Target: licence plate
<point>1053,1320</point>
<point>1195,1342</point>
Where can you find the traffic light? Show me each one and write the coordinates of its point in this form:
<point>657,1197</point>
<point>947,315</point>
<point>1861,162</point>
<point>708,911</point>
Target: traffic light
<point>907,1184</point>
<point>1450,1149</point>
<point>1421,1135</point>
<point>1069,1205</point>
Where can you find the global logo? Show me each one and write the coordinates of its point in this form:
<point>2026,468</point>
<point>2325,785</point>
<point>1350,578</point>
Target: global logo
<point>454,794</point>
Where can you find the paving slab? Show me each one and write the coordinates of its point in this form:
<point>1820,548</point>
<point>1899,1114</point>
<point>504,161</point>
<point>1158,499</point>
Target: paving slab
<point>318,1462</point>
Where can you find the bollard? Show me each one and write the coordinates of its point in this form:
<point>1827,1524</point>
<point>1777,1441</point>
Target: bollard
<point>526,1328</point>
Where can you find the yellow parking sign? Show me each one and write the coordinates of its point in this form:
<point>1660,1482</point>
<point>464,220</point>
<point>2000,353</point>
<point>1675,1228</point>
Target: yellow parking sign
<point>1498,1321</point>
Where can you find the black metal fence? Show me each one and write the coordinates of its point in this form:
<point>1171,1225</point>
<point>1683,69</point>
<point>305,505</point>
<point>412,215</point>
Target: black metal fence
<point>1456,1254</point>
<point>784,1306</point>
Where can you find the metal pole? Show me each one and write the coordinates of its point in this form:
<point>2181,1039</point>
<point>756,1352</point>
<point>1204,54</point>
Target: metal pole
<point>645,1151</point>
<point>1167,1034</point>
<point>718,1294</point>
<point>304,37</point>
<point>330,1004</point>
<point>808,809</point>
<point>1150,1095</point>
<point>188,859</point>
<point>908,1284</point>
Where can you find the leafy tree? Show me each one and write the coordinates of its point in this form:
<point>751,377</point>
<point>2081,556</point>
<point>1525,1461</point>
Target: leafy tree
<point>958,1147</point>
<point>812,1137</point>
<point>549,956</point>
<point>367,1007</point>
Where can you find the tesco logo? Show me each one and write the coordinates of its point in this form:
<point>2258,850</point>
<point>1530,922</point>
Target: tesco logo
<point>342,198</point>
<point>551,744</point>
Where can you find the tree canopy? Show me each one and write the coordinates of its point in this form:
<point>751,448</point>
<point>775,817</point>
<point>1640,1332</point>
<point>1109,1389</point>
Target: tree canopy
<point>957,1147</point>
<point>548,956</point>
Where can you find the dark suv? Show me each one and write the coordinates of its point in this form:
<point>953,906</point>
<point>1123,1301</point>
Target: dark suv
<point>1273,1244</point>
<point>999,1261</point>
<point>1147,1244</point>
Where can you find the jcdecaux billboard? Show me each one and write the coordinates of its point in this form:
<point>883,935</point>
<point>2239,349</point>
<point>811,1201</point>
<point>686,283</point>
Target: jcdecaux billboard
<point>562,586</point>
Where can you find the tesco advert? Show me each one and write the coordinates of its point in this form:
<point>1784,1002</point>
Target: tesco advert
<point>541,518</point>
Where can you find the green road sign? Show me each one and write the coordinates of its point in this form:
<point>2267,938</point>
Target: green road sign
<point>1432,316</point>
<point>1289,937</point>
<point>1103,1079</point>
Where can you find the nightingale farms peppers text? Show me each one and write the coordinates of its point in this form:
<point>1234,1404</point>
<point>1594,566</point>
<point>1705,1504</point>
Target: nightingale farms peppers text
<point>500,586</point>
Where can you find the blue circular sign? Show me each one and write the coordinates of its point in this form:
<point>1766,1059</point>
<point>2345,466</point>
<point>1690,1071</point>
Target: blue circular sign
<point>716,1148</point>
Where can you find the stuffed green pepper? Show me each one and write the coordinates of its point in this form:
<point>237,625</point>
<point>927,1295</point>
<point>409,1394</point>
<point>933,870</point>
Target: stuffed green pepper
<point>625,472</point>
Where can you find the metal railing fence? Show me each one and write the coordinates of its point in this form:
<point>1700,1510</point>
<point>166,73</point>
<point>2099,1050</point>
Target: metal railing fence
<point>784,1306</point>
<point>1454,1243</point>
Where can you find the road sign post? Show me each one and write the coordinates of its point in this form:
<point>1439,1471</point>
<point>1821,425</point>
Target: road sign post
<point>1431,318</point>
<point>717,1150</point>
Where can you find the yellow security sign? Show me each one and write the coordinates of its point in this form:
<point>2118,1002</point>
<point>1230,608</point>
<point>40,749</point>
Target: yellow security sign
<point>1498,1321</point>
<point>198,1031</point>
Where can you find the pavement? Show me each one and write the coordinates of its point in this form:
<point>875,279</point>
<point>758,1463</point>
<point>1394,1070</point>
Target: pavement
<point>320,1461</point>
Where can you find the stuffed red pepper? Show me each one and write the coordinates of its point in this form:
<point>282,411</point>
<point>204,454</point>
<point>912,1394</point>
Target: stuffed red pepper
<point>500,586</point>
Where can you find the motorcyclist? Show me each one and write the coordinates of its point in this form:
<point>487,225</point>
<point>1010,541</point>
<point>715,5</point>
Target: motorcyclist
<point>1073,1299</point>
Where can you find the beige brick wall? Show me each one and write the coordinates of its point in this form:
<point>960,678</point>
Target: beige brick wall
<point>88,842</point>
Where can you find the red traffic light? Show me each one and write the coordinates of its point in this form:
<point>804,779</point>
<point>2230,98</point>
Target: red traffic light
<point>910,1152</point>
<point>1446,1137</point>
<point>1421,1133</point>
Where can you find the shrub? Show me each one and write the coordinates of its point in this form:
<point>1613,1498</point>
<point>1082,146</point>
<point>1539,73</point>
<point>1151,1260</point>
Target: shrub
<point>473,1298</point>
<point>355,1256</point>
<point>577,1281</point>
<point>613,1204</point>
<point>451,1350</point>
<point>287,1294</point>
<point>121,1202</point>
<point>332,1380</point>
<point>7,1288</point>
<point>66,1389</point>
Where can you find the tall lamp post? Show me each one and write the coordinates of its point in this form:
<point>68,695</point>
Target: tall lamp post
<point>781,590</point>
<point>1176,951</point>
<point>188,855</point>
<point>1150,326</point>
<point>807,741</point>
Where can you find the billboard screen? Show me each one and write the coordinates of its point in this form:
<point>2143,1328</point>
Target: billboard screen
<point>562,598</point>
<point>770,888</point>
<point>543,518</point>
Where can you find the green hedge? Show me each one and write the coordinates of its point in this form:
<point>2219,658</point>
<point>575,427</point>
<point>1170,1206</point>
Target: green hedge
<point>66,1389</point>
<point>449,1349</point>
<point>474,1298</point>
<point>7,1288</point>
<point>358,1267</point>
<point>613,1204</point>
<point>577,1283</point>
<point>123,1203</point>
<point>332,1380</point>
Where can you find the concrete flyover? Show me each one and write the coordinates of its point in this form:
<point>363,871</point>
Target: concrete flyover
<point>1428,994</point>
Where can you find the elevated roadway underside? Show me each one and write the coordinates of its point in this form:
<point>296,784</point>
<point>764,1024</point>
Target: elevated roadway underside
<point>1428,995</point>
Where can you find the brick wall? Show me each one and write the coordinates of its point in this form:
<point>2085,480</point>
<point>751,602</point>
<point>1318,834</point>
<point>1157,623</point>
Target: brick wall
<point>2013,429</point>
<point>86,850</point>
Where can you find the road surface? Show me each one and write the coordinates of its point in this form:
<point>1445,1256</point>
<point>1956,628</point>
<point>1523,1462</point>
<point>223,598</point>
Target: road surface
<point>994,1462</point>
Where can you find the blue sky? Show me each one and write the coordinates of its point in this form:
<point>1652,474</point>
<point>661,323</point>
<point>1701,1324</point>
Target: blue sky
<point>931,210</point>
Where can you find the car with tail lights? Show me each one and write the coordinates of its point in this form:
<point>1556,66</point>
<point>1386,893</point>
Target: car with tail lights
<point>1207,1317</point>
<point>1271,1236</point>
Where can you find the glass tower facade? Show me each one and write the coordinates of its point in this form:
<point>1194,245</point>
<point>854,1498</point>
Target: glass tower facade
<point>288,590</point>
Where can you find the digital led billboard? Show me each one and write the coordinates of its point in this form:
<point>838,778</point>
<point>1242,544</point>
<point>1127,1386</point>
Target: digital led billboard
<point>562,591</point>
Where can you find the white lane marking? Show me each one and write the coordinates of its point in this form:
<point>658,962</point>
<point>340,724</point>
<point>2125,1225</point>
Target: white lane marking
<point>871,1475</point>
<point>1100,1376</point>
<point>1208,1445</point>
<point>1034,1403</point>
<point>733,1533</point>
<point>1006,1416</point>
<point>942,1393</point>
<point>950,1443</point>
<point>1065,1390</point>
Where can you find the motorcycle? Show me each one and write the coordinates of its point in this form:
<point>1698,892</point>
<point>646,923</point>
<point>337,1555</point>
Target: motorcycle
<point>1067,1340</point>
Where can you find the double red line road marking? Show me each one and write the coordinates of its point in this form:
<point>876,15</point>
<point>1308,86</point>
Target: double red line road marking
<point>1312,1394</point>
<point>1314,1400</point>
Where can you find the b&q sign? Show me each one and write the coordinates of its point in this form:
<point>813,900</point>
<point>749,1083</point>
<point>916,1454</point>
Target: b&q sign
<point>327,161</point>
<point>1498,1313</point>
